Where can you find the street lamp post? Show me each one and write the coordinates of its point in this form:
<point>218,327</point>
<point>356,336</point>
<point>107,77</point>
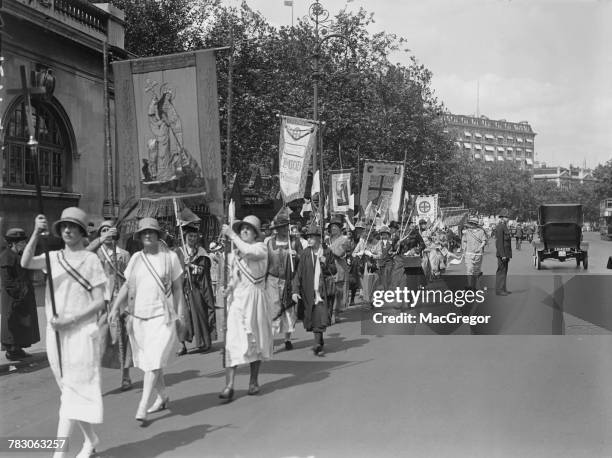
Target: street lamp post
<point>320,17</point>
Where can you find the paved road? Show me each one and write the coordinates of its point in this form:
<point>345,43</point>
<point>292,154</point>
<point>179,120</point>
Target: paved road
<point>410,395</point>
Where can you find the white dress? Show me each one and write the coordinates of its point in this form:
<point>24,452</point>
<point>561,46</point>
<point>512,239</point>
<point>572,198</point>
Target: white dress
<point>151,315</point>
<point>248,311</point>
<point>80,346</point>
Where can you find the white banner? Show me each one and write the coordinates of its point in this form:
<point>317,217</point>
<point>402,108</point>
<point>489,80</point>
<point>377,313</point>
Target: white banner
<point>340,192</point>
<point>382,185</point>
<point>296,144</point>
<point>427,207</point>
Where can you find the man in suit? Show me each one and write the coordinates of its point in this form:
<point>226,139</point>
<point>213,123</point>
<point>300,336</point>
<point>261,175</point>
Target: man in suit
<point>503,245</point>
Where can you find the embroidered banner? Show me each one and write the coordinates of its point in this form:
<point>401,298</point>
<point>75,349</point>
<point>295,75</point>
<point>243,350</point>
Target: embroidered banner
<point>340,191</point>
<point>427,207</point>
<point>168,127</point>
<point>296,145</point>
<point>382,185</point>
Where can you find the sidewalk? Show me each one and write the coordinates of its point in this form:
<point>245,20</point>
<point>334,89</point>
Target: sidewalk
<point>38,350</point>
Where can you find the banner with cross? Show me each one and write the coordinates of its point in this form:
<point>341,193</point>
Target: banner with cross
<point>427,207</point>
<point>382,184</point>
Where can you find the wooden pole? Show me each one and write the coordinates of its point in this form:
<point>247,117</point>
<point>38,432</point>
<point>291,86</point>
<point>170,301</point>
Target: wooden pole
<point>107,132</point>
<point>228,171</point>
<point>33,144</point>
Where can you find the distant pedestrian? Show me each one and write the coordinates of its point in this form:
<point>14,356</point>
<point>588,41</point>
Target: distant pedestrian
<point>519,236</point>
<point>473,242</point>
<point>78,281</point>
<point>503,245</point>
<point>19,316</point>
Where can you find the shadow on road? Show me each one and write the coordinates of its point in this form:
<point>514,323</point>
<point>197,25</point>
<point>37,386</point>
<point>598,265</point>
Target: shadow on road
<point>160,443</point>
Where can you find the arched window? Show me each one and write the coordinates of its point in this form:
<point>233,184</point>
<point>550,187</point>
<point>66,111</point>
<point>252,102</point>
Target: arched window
<point>54,148</point>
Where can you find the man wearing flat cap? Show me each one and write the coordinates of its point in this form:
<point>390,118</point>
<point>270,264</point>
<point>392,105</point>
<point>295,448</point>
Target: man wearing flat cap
<point>503,245</point>
<point>19,316</point>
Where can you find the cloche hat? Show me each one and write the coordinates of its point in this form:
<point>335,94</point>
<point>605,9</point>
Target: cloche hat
<point>147,223</point>
<point>252,221</point>
<point>71,215</point>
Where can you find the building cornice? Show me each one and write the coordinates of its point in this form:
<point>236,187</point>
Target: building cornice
<point>91,39</point>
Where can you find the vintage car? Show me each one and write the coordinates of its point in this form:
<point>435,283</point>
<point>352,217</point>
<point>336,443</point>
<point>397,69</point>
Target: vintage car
<point>560,232</point>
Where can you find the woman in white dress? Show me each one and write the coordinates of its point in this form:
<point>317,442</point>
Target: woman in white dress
<point>249,326</point>
<point>78,282</point>
<point>154,294</point>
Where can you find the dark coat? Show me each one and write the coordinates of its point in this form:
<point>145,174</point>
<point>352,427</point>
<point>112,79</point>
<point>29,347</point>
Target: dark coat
<point>503,241</point>
<point>201,322</point>
<point>19,316</point>
<point>316,316</point>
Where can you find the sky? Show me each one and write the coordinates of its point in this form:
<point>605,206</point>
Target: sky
<point>548,62</point>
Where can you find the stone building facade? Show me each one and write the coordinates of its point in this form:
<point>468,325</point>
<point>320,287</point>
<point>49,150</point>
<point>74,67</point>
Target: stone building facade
<point>60,43</point>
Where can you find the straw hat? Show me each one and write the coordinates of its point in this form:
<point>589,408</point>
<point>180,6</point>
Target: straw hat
<point>15,234</point>
<point>473,220</point>
<point>103,224</point>
<point>504,213</point>
<point>147,224</point>
<point>251,221</point>
<point>71,215</point>
<point>337,220</point>
<point>384,229</point>
<point>313,229</point>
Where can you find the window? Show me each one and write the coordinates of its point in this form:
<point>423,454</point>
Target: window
<point>53,148</point>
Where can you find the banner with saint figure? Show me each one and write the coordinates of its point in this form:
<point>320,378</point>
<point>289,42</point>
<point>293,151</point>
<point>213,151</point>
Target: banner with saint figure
<point>168,127</point>
<point>296,145</point>
<point>340,191</point>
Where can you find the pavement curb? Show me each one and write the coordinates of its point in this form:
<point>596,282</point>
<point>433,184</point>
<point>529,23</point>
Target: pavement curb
<point>14,366</point>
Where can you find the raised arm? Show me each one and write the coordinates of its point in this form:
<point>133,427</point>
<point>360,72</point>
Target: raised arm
<point>28,260</point>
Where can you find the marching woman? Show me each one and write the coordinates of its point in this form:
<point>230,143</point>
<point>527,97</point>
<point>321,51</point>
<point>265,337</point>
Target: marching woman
<point>316,265</point>
<point>197,287</point>
<point>368,251</point>
<point>78,282</point>
<point>281,265</point>
<point>154,294</point>
<point>117,353</point>
<point>249,327</point>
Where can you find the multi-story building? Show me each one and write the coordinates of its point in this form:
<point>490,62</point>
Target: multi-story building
<point>484,139</point>
<point>563,177</point>
<point>60,44</point>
